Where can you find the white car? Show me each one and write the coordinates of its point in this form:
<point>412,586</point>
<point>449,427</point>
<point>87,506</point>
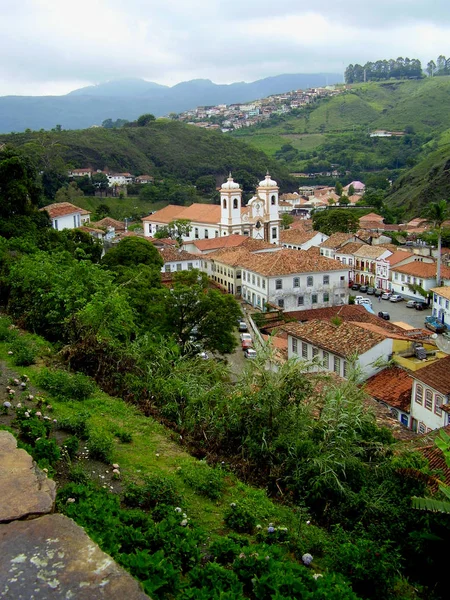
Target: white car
<point>250,353</point>
<point>395,298</point>
<point>246,336</point>
<point>386,296</point>
<point>363,301</point>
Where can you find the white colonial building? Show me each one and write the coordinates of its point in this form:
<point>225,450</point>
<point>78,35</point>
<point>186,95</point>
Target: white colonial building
<point>430,407</point>
<point>293,280</point>
<point>441,304</point>
<point>334,347</point>
<point>65,215</point>
<point>259,219</point>
<point>298,239</point>
<point>175,260</point>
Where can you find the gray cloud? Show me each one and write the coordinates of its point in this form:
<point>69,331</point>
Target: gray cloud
<point>56,42</point>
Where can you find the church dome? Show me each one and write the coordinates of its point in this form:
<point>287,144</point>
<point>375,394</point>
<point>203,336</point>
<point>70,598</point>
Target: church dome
<point>230,184</point>
<point>268,182</point>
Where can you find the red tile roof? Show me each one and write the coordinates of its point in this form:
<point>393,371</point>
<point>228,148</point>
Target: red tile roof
<point>198,213</point>
<point>392,386</point>
<point>61,209</point>
<point>398,256</point>
<point>171,254</point>
<point>109,222</point>
<point>436,375</point>
<point>336,240</point>
<point>422,269</point>
<point>296,236</point>
<point>285,262</point>
<point>346,339</point>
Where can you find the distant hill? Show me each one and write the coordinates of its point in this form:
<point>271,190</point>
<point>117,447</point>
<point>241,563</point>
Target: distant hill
<point>428,181</point>
<point>129,98</point>
<point>162,148</point>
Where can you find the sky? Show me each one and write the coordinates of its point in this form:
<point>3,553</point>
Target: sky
<point>50,47</point>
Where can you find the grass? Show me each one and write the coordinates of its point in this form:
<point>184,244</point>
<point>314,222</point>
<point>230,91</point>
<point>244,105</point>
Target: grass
<point>154,451</point>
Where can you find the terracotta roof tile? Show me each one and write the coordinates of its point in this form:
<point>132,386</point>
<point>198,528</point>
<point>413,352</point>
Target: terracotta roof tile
<point>349,248</point>
<point>285,262</point>
<point>61,209</point>
<point>336,240</point>
<point>393,386</point>
<point>373,252</point>
<point>166,214</point>
<point>443,291</point>
<point>344,340</point>
<point>421,269</point>
<point>171,254</point>
<point>233,257</point>
<point>436,375</point>
<point>296,236</point>
<point>398,256</point>
<point>373,217</point>
<point>202,213</point>
<point>109,222</point>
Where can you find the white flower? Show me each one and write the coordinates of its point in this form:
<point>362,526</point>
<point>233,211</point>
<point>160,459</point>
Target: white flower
<point>184,522</point>
<point>10,353</point>
<point>70,500</point>
<point>307,559</point>
<point>19,405</point>
<point>177,509</point>
<point>27,414</point>
<point>7,404</point>
<point>233,505</point>
<point>115,466</point>
<point>258,527</point>
<point>308,522</point>
<point>157,455</point>
<point>39,414</point>
<point>317,575</point>
<point>30,397</point>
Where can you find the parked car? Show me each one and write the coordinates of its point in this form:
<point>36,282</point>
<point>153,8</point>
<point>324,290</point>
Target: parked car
<point>411,304</point>
<point>395,298</point>
<point>436,326</point>
<point>363,301</point>
<point>358,298</point>
<point>246,344</point>
<point>364,289</point>
<point>370,291</point>
<point>245,336</point>
<point>243,326</point>
<point>250,353</point>
<point>355,286</point>
<point>378,292</point>
<point>384,315</point>
<point>386,296</point>
<point>421,305</point>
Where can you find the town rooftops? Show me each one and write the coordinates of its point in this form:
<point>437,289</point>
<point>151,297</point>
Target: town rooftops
<point>296,236</point>
<point>366,251</point>
<point>398,256</point>
<point>443,291</point>
<point>392,386</point>
<point>171,254</point>
<point>346,339</point>
<point>198,213</point>
<point>422,269</point>
<point>62,209</point>
<point>350,248</point>
<point>109,222</point>
<point>336,240</point>
<point>234,257</point>
<point>436,375</point>
<point>232,241</point>
<point>286,262</point>
<point>372,218</point>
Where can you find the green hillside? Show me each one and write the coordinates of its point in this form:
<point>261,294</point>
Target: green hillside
<point>418,107</point>
<point>428,181</point>
<point>162,148</point>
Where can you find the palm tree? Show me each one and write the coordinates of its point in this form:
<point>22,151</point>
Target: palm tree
<point>435,214</point>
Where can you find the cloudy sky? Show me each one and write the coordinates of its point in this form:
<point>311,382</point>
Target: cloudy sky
<point>54,46</point>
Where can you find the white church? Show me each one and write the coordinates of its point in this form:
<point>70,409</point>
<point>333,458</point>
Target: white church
<point>259,219</point>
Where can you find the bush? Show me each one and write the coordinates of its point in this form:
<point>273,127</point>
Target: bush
<point>155,490</point>
<point>78,475</point>
<point>215,578</point>
<point>240,519</point>
<point>32,427</point>
<point>46,450</point>
<point>71,446</point>
<point>100,447</point>
<point>24,352</point>
<point>65,386</point>
<point>224,550</point>
<point>7,331</point>
<point>203,479</point>
<point>124,436</point>
<point>76,424</point>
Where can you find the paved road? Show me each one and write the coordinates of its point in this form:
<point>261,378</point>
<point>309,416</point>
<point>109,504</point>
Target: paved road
<point>399,312</point>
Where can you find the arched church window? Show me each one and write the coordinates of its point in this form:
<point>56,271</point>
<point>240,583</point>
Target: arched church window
<point>224,202</point>
<point>272,200</point>
<point>235,204</point>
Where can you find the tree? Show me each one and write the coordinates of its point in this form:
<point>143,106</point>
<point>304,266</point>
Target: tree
<point>144,120</point>
<point>286,220</point>
<point>206,184</point>
<point>435,214</point>
<point>19,191</point>
<point>132,251</point>
<point>351,190</point>
<point>430,504</point>
<point>338,188</point>
<point>69,193</point>
<point>344,201</point>
<point>332,221</point>
<point>431,68</point>
<point>192,306</point>
<point>102,211</point>
<point>175,230</point>
<point>99,181</point>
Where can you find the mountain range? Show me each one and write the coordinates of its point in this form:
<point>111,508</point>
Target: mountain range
<point>129,98</point>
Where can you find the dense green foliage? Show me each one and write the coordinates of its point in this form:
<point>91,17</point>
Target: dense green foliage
<point>384,69</point>
<point>334,220</point>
